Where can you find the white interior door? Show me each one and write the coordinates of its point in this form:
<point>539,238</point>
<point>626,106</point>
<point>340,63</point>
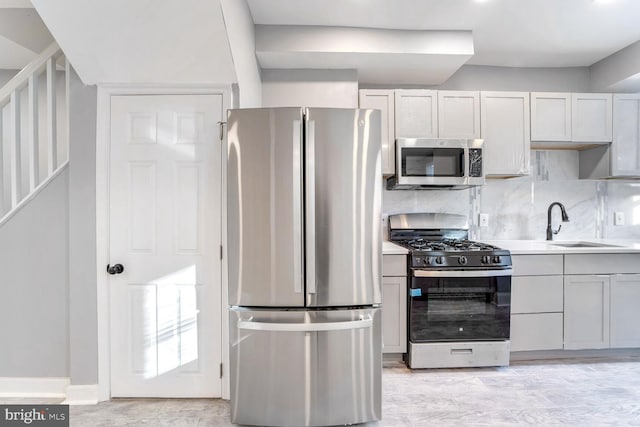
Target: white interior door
<point>165,186</point>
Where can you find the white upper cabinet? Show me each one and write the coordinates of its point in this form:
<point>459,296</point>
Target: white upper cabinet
<point>550,116</point>
<point>383,100</point>
<point>505,130</point>
<point>458,114</point>
<point>591,117</point>
<point>416,113</point>
<point>625,148</point>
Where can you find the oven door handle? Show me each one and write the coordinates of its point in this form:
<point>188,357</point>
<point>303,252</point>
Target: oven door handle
<point>462,273</point>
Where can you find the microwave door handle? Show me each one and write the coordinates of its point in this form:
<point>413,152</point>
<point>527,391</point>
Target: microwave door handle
<point>310,208</point>
<point>466,163</point>
<point>297,206</point>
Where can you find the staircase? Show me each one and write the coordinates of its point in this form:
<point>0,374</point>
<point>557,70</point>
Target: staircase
<point>33,129</point>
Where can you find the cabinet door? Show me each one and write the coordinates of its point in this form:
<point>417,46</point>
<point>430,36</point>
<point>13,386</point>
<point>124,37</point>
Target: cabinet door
<point>625,148</point>
<point>416,113</point>
<point>458,114</point>
<point>591,117</point>
<point>505,130</point>
<point>394,314</point>
<point>383,100</point>
<point>538,331</point>
<point>550,116</point>
<point>625,316</point>
<point>586,312</point>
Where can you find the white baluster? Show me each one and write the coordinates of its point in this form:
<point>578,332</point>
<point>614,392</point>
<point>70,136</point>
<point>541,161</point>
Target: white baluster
<point>34,159</point>
<point>51,120</point>
<point>16,164</point>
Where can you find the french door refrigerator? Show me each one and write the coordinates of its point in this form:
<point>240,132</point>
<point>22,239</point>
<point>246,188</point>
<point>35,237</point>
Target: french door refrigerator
<point>304,256</point>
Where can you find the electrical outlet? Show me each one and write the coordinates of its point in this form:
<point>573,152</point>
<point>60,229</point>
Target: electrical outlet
<point>618,218</point>
<point>484,220</point>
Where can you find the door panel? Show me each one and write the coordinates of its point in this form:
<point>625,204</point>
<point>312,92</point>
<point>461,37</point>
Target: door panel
<point>165,230</point>
<point>343,205</point>
<point>265,207</point>
<point>329,374</point>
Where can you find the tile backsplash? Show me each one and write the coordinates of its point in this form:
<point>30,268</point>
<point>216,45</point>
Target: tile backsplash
<point>517,207</point>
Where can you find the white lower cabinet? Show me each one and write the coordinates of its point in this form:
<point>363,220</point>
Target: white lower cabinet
<point>625,310</point>
<point>538,331</point>
<point>536,302</point>
<point>586,311</point>
<point>394,304</point>
<point>536,310</point>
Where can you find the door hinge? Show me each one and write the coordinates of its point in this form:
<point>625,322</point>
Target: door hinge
<point>221,252</point>
<point>221,125</point>
<point>221,370</point>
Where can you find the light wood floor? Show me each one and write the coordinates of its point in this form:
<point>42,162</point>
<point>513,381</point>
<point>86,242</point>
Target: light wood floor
<point>576,392</point>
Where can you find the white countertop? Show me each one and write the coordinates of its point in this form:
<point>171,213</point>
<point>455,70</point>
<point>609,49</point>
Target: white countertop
<point>531,247</point>
<point>389,248</point>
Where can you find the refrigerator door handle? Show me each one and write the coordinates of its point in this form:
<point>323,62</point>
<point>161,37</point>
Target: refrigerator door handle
<point>297,206</point>
<point>363,322</point>
<point>310,208</point>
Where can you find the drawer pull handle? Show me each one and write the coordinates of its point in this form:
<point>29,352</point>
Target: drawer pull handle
<point>461,351</point>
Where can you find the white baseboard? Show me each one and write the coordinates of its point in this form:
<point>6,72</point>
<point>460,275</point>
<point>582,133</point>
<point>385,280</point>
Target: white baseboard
<point>34,387</point>
<point>82,395</point>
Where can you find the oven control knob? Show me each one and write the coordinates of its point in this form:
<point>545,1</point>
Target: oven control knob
<point>439,260</point>
<point>485,259</point>
<point>496,259</point>
<point>462,260</point>
<point>427,260</point>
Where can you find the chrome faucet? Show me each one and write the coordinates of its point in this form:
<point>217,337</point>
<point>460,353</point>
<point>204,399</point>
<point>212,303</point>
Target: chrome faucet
<point>565,218</point>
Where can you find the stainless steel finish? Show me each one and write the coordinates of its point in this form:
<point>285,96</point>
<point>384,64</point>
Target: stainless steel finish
<point>458,354</point>
<point>310,208</point>
<point>296,140</point>
<point>401,182</point>
<point>417,221</point>
<point>264,203</point>
<point>346,229</point>
<point>462,273</point>
<point>305,378</point>
<point>362,322</point>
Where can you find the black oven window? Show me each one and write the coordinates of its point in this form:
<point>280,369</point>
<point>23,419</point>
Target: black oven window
<point>433,162</point>
<point>460,309</point>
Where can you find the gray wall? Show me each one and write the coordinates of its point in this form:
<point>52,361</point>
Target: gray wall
<point>33,292</point>
<point>83,323</point>
<point>48,263</point>
<point>481,77</point>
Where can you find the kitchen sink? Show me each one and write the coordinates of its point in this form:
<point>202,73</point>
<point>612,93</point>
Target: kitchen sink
<point>584,245</point>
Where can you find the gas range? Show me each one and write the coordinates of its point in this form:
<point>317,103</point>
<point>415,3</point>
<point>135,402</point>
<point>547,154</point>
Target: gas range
<point>459,293</point>
<point>455,253</point>
<point>440,241</point>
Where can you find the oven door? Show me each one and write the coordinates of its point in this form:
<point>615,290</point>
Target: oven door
<point>459,305</point>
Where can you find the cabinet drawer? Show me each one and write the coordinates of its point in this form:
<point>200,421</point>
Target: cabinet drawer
<point>602,264</point>
<point>536,294</point>
<point>542,331</point>
<point>394,265</point>
<point>536,265</point>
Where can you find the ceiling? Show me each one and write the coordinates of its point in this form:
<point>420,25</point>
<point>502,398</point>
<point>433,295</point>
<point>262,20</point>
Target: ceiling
<point>23,35</point>
<point>511,33</point>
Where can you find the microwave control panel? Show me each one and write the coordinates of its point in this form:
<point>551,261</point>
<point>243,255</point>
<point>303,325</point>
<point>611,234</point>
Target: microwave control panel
<point>475,160</point>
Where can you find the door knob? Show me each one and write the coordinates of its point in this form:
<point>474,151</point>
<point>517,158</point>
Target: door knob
<point>115,269</point>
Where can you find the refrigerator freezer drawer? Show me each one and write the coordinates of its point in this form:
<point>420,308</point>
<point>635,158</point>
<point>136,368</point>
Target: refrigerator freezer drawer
<point>305,368</point>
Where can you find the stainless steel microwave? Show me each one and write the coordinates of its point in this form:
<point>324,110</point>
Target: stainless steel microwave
<point>437,164</point>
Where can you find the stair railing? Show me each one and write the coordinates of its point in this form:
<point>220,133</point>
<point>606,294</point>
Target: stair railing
<point>34,143</point>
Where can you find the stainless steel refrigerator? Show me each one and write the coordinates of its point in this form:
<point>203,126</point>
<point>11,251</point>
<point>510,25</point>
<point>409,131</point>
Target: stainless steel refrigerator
<point>305,258</point>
